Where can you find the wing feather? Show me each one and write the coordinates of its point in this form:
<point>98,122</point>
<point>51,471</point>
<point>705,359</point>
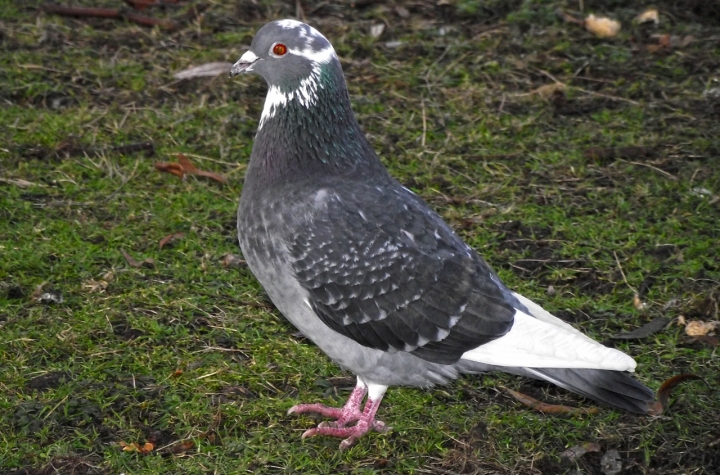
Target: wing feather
<point>387,272</point>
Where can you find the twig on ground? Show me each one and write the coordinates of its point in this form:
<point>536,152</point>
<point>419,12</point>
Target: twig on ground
<point>623,273</point>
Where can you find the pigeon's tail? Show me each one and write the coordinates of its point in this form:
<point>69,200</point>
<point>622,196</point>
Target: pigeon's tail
<point>615,388</point>
<point>542,346</point>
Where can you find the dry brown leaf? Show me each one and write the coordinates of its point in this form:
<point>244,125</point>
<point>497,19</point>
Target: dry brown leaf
<point>193,170</point>
<point>132,447</point>
<point>170,238</point>
<point>649,15</point>
<point>549,408</point>
<point>135,447</point>
<point>663,393</point>
<point>700,328</point>
<point>187,165</point>
<point>181,447</point>
<point>204,70</point>
<point>132,262</point>
<point>602,27</point>
<point>173,168</point>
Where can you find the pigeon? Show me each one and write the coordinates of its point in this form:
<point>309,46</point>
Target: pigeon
<point>370,273</point>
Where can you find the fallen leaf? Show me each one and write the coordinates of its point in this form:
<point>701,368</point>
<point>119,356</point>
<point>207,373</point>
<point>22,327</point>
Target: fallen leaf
<point>649,15</point>
<point>170,238</point>
<point>602,27</point>
<point>185,166</point>
<point>663,393</point>
<point>173,168</point>
<point>549,408</point>
<point>233,260</point>
<point>574,453</point>
<point>700,328</point>
<point>130,259</point>
<point>190,168</point>
<point>181,447</point>
<point>213,439</point>
<point>135,447</point>
<point>644,331</point>
<point>132,262</point>
<point>132,447</point>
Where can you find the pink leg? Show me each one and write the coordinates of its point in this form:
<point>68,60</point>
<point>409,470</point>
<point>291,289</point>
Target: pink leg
<point>349,413</point>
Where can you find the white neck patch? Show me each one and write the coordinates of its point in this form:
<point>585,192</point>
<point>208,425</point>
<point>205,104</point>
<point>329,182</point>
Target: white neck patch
<point>306,92</point>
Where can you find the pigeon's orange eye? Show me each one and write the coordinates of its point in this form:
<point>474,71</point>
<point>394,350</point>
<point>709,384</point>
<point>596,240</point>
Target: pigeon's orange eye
<point>279,49</point>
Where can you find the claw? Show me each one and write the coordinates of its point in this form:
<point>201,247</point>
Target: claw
<point>365,420</point>
<point>347,443</point>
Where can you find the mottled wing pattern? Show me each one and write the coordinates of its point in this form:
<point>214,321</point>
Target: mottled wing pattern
<point>383,269</point>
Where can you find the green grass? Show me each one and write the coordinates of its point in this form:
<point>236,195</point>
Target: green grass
<point>188,349</point>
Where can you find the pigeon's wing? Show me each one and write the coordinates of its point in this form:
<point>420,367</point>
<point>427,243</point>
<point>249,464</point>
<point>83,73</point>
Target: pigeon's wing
<point>381,268</point>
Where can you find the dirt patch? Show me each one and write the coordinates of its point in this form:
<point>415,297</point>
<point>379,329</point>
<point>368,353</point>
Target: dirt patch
<point>49,380</point>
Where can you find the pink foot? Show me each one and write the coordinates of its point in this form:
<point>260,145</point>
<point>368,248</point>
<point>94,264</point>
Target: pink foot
<point>365,420</point>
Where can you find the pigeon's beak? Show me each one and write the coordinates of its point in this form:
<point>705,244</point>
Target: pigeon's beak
<point>244,64</point>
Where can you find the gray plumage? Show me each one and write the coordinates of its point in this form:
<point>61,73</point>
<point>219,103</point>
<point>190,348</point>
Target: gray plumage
<point>363,267</point>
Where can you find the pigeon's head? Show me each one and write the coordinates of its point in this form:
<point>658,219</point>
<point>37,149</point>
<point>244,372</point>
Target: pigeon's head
<point>286,53</point>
